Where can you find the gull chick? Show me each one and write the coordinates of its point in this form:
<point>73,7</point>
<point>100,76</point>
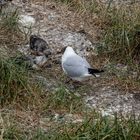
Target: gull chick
<point>77,67</point>
<point>39,46</point>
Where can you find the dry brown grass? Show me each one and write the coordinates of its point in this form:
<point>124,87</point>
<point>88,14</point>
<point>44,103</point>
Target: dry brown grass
<point>10,39</point>
<point>30,105</point>
<point>10,34</point>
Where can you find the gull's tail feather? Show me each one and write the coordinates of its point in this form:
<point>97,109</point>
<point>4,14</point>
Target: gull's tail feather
<point>94,71</point>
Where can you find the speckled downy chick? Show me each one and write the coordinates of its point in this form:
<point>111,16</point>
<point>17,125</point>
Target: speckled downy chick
<point>39,46</point>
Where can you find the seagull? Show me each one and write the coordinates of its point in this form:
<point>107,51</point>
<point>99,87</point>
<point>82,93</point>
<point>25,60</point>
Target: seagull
<point>39,46</point>
<point>76,67</point>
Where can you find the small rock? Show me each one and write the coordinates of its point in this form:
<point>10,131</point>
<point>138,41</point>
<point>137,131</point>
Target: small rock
<point>26,22</point>
<point>40,60</point>
<point>121,67</point>
<point>73,118</point>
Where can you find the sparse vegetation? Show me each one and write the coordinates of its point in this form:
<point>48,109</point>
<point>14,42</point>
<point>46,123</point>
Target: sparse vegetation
<point>28,110</point>
<point>9,28</point>
<point>94,127</point>
<point>13,80</point>
<point>121,36</point>
<point>15,85</point>
<point>64,99</point>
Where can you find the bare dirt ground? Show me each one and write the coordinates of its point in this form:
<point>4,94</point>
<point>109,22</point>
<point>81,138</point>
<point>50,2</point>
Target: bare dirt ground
<point>60,28</point>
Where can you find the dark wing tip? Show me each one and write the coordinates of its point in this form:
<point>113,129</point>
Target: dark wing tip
<point>102,71</point>
<point>93,71</point>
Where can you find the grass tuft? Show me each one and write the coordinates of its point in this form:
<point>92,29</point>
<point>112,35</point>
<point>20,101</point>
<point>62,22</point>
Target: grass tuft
<point>16,86</point>
<point>64,99</point>
<point>9,28</point>
<point>13,80</point>
<point>121,37</point>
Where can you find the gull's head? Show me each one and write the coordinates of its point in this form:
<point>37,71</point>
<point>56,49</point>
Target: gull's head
<point>69,50</point>
<point>67,53</point>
